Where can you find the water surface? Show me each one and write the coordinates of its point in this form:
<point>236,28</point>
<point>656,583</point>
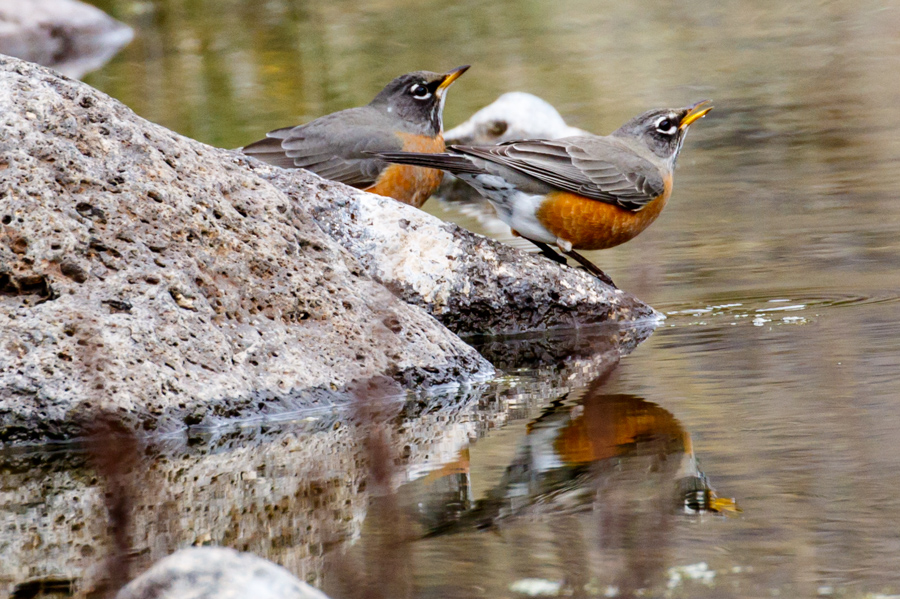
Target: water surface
<point>775,374</point>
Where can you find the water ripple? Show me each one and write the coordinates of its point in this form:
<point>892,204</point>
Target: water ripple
<point>797,307</point>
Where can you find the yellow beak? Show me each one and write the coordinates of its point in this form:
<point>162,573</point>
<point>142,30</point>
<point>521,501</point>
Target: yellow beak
<point>696,112</point>
<point>452,76</point>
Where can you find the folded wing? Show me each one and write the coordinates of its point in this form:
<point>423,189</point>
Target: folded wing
<point>593,167</point>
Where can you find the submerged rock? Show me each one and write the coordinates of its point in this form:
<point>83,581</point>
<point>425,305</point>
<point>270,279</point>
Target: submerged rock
<point>217,572</point>
<point>180,284</point>
<point>72,37</point>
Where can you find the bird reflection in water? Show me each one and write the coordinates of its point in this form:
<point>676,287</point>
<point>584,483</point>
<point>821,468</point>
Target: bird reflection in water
<point>624,462</point>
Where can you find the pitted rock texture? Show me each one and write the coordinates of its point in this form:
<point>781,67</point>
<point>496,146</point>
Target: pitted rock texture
<point>70,36</point>
<point>150,274</point>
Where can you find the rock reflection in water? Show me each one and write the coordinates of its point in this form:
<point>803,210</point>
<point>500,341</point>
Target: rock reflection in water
<point>290,492</point>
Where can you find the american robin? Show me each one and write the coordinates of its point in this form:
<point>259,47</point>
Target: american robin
<point>405,116</point>
<point>580,193</point>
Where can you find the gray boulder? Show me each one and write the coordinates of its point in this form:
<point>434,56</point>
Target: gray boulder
<point>220,573</point>
<point>178,284</point>
<point>68,35</point>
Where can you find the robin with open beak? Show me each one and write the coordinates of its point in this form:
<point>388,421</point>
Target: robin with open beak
<point>406,116</point>
<point>578,193</point>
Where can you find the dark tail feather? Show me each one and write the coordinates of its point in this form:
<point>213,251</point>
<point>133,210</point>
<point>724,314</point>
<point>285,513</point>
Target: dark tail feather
<point>451,163</point>
<point>269,150</point>
<point>268,145</point>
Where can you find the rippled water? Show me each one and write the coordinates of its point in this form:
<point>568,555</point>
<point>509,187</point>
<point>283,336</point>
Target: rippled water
<point>775,373</point>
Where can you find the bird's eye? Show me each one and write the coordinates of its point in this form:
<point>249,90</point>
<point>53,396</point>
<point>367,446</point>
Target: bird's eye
<point>666,126</point>
<point>419,92</point>
<point>497,128</point>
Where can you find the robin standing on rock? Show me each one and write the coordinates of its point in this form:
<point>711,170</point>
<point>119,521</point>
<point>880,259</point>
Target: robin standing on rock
<point>579,193</point>
<point>405,116</point>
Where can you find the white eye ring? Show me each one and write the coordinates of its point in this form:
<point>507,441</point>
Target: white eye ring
<point>672,128</point>
<point>419,96</point>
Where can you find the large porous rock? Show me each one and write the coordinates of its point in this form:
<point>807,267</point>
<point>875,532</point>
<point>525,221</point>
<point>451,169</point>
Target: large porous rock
<point>152,275</point>
<point>472,284</point>
<point>68,35</point>
<point>217,572</point>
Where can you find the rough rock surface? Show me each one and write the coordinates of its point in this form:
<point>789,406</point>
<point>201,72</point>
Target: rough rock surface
<point>217,572</point>
<point>70,36</point>
<point>472,284</point>
<point>149,273</point>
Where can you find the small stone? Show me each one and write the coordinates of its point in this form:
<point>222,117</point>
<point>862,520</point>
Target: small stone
<point>200,572</point>
<point>182,300</point>
<point>72,37</point>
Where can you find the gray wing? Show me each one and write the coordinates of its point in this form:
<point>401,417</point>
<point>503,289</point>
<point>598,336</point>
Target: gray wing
<point>337,146</point>
<point>595,167</point>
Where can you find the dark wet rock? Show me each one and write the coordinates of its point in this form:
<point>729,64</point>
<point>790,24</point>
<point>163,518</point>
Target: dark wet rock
<point>472,284</point>
<point>217,572</point>
<point>572,355</point>
<point>152,275</point>
<point>69,36</point>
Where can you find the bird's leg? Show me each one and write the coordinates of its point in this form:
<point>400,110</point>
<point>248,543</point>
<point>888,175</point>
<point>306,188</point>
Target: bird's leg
<point>565,246</point>
<point>548,252</point>
<point>591,268</point>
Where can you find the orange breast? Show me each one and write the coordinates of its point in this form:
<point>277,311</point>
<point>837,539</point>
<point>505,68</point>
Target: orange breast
<point>411,184</point>
<point>613,429</point>
<point>594,225</point>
